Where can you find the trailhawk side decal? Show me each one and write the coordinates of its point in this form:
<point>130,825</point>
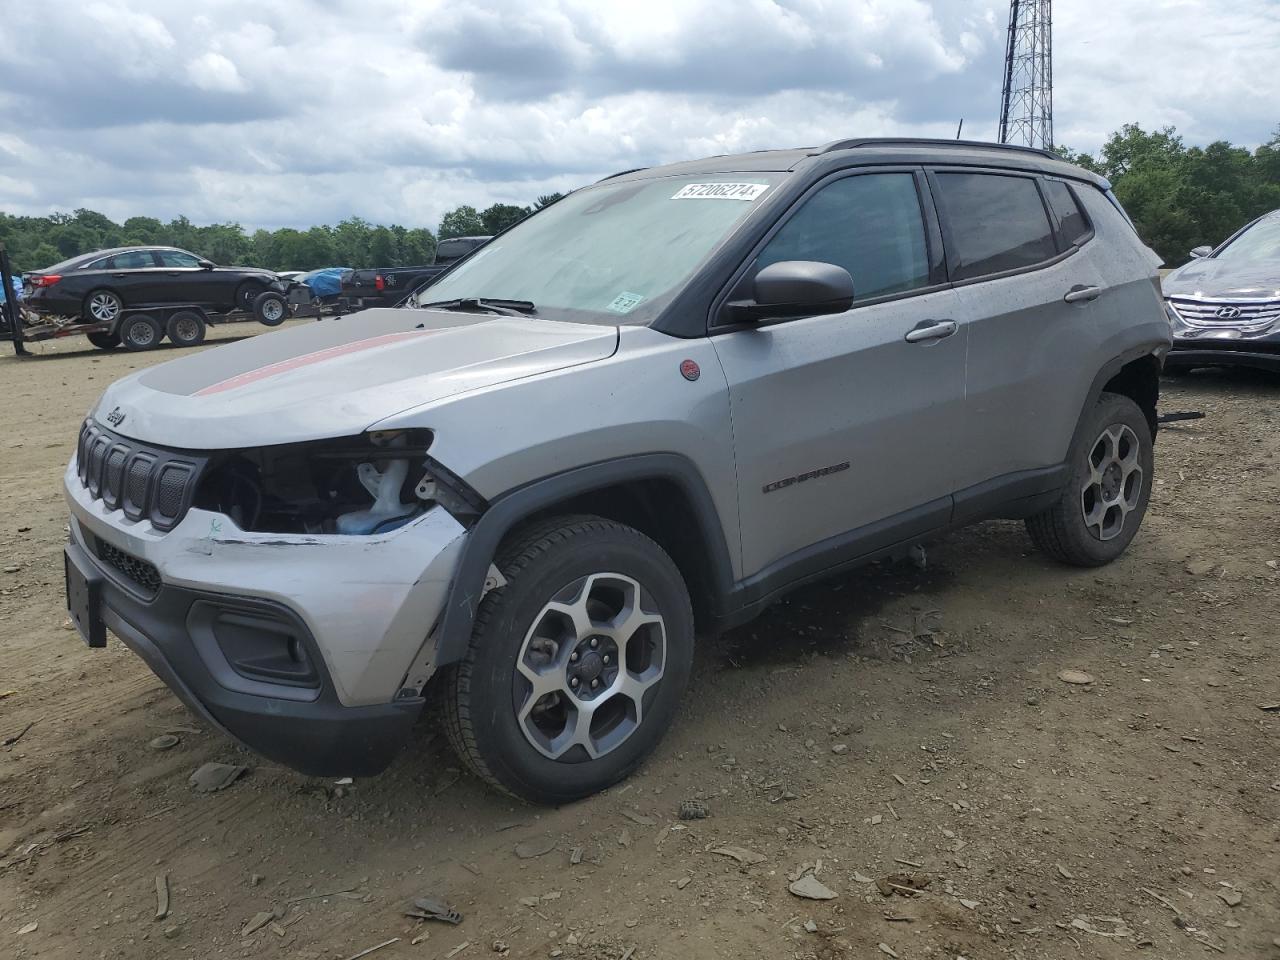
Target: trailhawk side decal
<point>801,478</point>
<point>319,356</point>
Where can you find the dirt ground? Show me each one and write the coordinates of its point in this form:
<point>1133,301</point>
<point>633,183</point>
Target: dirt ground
<point>898,723</point>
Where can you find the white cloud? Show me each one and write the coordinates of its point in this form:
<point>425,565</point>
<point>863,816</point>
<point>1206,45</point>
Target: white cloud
<point>295,113</point>
<point>213,71</point>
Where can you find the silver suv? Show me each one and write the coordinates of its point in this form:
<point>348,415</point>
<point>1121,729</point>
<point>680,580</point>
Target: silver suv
<point>648,411</point>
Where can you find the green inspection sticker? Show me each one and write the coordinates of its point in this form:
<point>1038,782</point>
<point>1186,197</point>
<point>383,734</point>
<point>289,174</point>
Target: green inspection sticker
<point>625,302</point>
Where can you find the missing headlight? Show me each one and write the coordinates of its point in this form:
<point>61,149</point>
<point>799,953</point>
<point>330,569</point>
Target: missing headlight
<point>361,485</point>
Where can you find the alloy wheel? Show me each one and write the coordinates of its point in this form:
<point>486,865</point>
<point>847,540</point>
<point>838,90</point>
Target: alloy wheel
<point>585,665</point>
<point>104,307</point>
<point>1113,488</point>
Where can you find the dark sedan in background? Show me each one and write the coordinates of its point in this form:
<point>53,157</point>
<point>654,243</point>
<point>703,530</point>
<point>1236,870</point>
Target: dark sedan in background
<point>98,286</point>
<point>1225,304</point>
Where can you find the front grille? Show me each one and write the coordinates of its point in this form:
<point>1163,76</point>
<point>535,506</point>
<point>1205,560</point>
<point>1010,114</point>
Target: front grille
<point>1201,312</point>
<point>145,482</point>
<point>136,570</point>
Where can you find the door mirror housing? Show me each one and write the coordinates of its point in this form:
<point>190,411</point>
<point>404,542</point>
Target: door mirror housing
<point>1200,253</point>
<point>207,264</point>
<point>795,288</point>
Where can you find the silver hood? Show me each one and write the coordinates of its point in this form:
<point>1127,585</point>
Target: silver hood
<point>1223,280</point>
<point>337,377</point>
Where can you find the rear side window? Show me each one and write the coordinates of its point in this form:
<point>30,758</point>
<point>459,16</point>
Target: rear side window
<point>134,260</point>
<point>869,224</point>
<point>1072,225</point>
<point>994,223</point>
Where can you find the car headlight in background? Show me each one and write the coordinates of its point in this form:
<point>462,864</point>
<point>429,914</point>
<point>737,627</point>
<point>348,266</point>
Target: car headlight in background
<point>362,485</point>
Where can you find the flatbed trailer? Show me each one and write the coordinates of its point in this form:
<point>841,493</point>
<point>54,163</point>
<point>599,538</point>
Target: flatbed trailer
<point>143,328</point>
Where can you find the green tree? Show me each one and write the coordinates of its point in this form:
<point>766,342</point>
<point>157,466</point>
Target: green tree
<point>462,221</point>
<point>546,200</point>
<point>502,215</point>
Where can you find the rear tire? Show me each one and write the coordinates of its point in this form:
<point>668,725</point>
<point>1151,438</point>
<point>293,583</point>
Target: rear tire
<point>270,308</point>
<point>102,306</point>
<point>1111,464</point>
<point>186,328</point>
<point>599,615</point>
<point>140,331</point>
<point>103,340</point>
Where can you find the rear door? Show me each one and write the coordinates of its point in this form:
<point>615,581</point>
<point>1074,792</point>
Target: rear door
<point>135,275</point>
<point>843,429</point>
<point>1018,252</point>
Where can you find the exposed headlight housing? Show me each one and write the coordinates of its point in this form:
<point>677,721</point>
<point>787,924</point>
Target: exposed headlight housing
<point>358,486</point>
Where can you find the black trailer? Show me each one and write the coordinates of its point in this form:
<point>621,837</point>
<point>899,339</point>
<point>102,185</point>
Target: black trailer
<point>184,324</point>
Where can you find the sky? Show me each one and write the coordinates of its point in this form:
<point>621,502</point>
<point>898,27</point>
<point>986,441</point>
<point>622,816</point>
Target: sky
<point>279,113</point>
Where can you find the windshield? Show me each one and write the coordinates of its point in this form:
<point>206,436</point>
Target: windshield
<point>619,250</point>
<point>1260,244</point>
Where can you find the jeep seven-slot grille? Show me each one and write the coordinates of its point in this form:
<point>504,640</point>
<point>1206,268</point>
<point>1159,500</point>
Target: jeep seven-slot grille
<point>137,571</point>
<point>145,482</point>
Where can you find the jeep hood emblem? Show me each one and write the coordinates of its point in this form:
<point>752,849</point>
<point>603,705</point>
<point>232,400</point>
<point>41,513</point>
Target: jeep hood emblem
<point>115,417</point>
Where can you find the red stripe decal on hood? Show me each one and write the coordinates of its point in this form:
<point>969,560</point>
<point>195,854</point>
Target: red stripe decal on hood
<point>319,356</point>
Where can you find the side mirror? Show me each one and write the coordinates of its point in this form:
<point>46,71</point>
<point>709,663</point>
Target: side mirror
<point>207,264</point>
<point>1201,252</point>
<point>795,288</point>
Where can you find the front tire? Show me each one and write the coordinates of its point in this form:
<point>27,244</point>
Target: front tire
<point>576,665</point>
<point>1111,467</point>
<point>246,293</point>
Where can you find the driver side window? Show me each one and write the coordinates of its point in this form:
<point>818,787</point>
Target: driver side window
<point>869,224</point>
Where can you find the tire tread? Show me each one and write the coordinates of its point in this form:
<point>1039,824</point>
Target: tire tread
<point>524,549</point>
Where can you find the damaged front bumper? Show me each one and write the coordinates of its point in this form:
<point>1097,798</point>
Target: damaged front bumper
<point>308,649</point>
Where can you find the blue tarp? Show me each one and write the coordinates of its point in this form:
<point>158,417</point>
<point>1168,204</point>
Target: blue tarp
<point>17,288</point>
<point>325,282</point>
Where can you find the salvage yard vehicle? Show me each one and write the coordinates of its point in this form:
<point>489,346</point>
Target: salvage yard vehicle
<point>650,409</point>
<point>98,287</point>
<point>388,286</point>
<point>1225,304</point>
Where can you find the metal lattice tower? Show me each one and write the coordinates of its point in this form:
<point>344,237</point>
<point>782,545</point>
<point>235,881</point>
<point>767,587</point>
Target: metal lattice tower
<point>1026,106</point>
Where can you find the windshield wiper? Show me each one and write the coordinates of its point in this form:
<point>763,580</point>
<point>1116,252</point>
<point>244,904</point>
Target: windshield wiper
<point>512,308</point>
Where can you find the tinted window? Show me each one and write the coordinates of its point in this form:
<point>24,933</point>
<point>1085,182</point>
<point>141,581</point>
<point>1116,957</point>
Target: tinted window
<point>134,260</point>
<point>870,225</point>
<point>996,223</point>
<point>1071,222</point>
<point>176,258</point>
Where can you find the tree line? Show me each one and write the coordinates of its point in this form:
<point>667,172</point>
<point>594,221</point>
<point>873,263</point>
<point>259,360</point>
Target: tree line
<point>1178,196</point>
<point>34,243</point>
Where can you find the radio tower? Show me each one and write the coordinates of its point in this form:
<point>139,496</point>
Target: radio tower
<point>1026,106</point>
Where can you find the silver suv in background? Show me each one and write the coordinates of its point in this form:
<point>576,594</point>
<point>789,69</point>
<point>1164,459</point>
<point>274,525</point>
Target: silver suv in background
<point>647,411</point>
<point>1225,303</point>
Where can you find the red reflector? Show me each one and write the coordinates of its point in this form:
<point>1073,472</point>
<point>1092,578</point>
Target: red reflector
<point>46,280</point>
<point>378,283</point>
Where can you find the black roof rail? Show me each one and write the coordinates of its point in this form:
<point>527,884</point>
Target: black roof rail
<point>927,142</point>
<point>621,173</point>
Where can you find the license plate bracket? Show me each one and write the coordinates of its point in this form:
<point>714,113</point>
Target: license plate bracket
<point>84,599</point>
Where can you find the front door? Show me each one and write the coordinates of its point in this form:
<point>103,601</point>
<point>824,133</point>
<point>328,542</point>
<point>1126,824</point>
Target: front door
<point>844,425</point>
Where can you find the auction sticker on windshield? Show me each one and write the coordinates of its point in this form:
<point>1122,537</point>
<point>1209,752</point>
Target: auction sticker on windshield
<point>720,191</point>
<point>625,302</point>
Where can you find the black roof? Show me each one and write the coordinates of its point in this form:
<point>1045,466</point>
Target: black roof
<point>866,151</point>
